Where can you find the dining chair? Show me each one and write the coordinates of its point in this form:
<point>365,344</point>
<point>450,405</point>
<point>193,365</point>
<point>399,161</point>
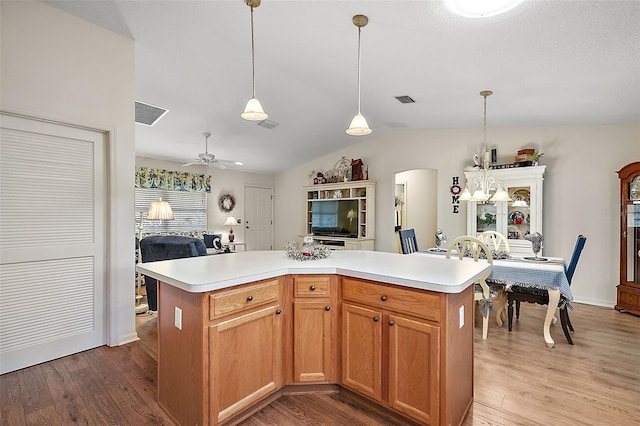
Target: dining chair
<point>533,295</point>
<point>408,242</point>
<point>468,246</point>
<point>494,240</point>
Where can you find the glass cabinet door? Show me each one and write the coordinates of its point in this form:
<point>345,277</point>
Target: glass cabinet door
<point>519,212</point>
<point>633,242</point>
<point>486,216</point>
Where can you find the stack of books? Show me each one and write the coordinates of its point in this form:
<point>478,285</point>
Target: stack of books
<point>525,157</point>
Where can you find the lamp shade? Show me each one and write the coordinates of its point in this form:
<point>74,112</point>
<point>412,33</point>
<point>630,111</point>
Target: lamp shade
<point>230,221</point>
<point>358,126</point>
<point>466,195</point>
<point>351,214</point>
<point>160,210</point>
<point>254,111</point>
<point>501,195</point>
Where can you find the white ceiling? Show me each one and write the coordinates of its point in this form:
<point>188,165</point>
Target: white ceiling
<point>548,63</point>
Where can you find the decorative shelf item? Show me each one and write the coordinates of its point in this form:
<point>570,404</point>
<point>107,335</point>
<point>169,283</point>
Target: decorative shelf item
<point>319,252</point>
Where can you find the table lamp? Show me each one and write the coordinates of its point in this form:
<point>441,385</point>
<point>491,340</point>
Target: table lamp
<point>160,210</point>
<point>230,222</point>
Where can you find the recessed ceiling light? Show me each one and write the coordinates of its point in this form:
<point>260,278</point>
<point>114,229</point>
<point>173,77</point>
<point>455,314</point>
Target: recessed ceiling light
<point>481,8</point>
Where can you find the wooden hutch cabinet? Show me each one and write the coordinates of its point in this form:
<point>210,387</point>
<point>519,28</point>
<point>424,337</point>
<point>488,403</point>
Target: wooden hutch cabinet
<point>629,287</point>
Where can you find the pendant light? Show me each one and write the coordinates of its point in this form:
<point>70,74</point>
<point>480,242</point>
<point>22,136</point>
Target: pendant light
<point>359,126</point>
<point>253,111</point>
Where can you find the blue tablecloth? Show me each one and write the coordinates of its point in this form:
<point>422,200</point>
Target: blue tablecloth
<point>526,273</point>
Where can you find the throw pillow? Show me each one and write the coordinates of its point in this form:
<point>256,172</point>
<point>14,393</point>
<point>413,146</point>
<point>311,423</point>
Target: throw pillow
<point>213,241</point>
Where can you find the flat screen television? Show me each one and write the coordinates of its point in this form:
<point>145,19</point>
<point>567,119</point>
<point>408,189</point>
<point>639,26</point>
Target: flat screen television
<point>334,218</point>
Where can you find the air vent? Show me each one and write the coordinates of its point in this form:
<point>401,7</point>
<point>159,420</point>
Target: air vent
<point>405,99</point>
<point>148,114</point>
<point>267,124</point>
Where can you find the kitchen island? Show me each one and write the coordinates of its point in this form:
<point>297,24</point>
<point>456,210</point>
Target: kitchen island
<point>235,332</point>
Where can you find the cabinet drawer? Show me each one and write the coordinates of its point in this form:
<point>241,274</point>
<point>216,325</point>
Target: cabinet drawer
<point>311,285</point>
<point>412,302</point>
<point>243,298</point>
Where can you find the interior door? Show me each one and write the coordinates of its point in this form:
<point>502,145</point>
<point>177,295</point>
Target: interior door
<point>258,215</point>
<point>52,241</point>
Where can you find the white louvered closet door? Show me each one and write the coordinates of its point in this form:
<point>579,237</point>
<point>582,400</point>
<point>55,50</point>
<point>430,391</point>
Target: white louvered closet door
<point>52,241</point>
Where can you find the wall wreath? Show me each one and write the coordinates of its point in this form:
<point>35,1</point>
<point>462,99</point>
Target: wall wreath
<point>226,202</point>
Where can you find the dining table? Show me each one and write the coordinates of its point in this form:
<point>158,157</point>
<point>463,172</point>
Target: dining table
<point>549,275</point>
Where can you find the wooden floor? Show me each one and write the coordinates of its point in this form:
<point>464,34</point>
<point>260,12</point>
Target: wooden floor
<point>518,381</point>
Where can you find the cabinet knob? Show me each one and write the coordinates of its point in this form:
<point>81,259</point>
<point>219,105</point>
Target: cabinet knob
<point>391,323</point>
<point>376,319</point>
<point>249,299</point>
<point>383,298</point>
<point>278,312</point>
<point>312,288</point>
<point>327,308</point>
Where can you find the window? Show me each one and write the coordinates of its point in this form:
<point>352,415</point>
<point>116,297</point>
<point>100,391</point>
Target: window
<point>189,210</point>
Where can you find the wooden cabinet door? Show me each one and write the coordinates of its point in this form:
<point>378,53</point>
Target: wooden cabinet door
<point>245,361</point>
<point>362,350</point>
<point>313,331</point>
<point>414,365</point>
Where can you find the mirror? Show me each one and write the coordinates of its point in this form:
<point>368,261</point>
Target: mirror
<point>416,205</point>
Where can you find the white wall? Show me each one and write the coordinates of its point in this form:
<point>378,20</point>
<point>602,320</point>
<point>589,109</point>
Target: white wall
<point>421,204</point>
<point>581,187</point>
<point>60,67</point>
<point>222,181</point>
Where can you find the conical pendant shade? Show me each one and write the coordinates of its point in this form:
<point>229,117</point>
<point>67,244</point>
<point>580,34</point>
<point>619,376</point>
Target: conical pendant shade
<point>254,111</point>
<point>358,126</point>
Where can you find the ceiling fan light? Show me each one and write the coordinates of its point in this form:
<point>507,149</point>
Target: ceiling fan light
<point>358,126</point>
<point>254,111</point>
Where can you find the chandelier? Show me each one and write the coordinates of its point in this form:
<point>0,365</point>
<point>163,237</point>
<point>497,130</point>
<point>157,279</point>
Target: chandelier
<point>481,187</point>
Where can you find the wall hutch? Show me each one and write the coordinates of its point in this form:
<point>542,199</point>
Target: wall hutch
<point>629,288</point>
<point>516,218</point>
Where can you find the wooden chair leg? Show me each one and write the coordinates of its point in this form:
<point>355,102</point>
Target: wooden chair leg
<point>569,322</point>
<point>510,313</point>
<point>564,319</point>
<point>485,327</point>
<point>517,309</point>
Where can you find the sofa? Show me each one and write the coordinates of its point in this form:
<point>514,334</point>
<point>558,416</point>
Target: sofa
<point>166,247</point>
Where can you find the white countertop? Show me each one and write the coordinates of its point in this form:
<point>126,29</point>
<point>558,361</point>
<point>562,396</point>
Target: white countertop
<point>206,273</point>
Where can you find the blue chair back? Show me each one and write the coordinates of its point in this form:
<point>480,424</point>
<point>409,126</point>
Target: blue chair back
<point>408,242</point>
<point>571,268</point>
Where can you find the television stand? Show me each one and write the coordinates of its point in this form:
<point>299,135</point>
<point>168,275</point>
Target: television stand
<point>364,192</point>
<point>344,243</point>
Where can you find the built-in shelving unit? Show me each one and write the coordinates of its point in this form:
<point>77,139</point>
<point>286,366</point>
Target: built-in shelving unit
<point>362,195</point>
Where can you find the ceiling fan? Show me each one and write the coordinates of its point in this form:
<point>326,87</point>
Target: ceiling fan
<point>210,159</point>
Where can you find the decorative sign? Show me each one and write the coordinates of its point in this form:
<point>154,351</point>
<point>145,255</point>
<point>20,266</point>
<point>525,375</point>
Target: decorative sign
<point>455,190</point>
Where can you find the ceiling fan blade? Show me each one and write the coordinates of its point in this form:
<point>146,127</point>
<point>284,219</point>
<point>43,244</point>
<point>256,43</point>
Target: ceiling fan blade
<point>219,165</point>
<point>191,164</point>
<point>231,162</point>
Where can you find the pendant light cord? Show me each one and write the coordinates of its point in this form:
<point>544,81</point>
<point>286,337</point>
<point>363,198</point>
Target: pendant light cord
<point>359,31</point>
<point>253,60</point>
<point>484,131</point>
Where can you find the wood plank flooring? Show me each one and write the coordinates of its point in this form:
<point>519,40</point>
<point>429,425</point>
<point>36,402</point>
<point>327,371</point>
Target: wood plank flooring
<point>518,381</point>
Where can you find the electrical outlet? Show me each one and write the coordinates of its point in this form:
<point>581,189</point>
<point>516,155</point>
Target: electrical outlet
<point>461,316</point>
<point>178,318</point>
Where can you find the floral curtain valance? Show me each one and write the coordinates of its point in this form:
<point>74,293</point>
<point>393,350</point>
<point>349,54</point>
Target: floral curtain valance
<point>147,177</point>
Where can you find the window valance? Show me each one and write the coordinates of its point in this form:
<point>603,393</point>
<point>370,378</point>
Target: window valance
<point>146,177</point>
